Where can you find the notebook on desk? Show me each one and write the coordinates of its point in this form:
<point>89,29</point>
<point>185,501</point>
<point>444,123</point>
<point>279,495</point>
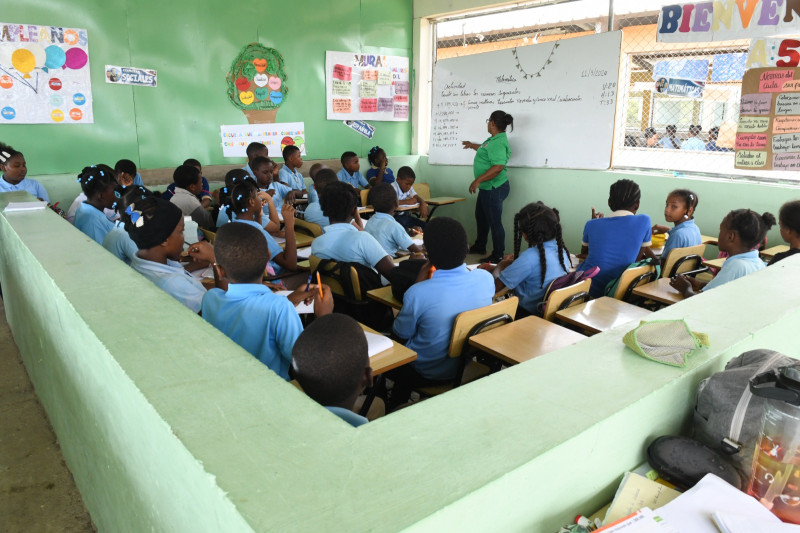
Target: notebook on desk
<point>377,343</point>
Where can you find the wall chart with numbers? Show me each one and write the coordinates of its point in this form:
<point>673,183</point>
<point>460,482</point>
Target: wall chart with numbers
<point>366,86</point>
<point>44,75</point>
<point>561,94</point>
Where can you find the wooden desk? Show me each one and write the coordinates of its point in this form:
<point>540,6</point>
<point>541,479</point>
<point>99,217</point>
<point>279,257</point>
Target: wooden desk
<point>707,239</point>
<point>659,291</point>
<point>601,314</point>
<point>715,263</point>
<point>524,339</point>
<point>434,203</point>
<point>384,295</point>
<point>769,253</point>
<point>397,355</point>
<point>401,208</point>
<point>365,210</point>
<point>301,240</point>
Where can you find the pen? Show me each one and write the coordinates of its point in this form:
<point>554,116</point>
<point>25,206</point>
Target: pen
<point>308,283</point>
<point>319,286</point>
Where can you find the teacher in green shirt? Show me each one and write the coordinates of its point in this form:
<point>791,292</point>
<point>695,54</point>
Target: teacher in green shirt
<point>491,184</point>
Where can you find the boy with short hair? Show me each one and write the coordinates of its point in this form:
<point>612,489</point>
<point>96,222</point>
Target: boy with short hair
<point>313,212</point>
<point>205,194</point>
<point>330,361</point>
<point>430,307</point>
<point>406,195</point>
<point>289,174</point>
<point>386,230</point>
<point>350,173</point>
<point>127,174</point>
<point>188,185</point>
<point>263,323</point>
<point>254,149</point>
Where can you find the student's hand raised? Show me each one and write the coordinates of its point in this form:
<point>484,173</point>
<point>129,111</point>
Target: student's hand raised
<point>596,214</point>
<point>287,210</point>
<point>202,251</point>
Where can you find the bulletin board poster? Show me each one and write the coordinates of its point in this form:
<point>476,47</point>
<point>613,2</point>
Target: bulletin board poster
<point>275,137</point>
<point>366,86</point>
<point>44,75</point>
<point>768,134</point>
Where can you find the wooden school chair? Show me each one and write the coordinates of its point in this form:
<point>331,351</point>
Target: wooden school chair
<point>209,235</point>
<point>565,297</point>
<point>466,325</point>
<point>632,278</point>
<point>309,228</point>
<point>326,276</point>
<point>423,190</point>
<point>364,197</point>
<point>688,260</point>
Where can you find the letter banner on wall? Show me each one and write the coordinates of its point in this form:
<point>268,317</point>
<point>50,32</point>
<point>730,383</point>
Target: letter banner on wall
<point>725,20</point>
<point>44,75</point>
<point>276,137</point>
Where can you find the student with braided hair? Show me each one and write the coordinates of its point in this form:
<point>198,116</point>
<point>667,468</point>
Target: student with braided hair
<point>739,233</point>
<point>14,170</point>
<point>98,183</point>
<point>529,274</point>
<point>614,242</point>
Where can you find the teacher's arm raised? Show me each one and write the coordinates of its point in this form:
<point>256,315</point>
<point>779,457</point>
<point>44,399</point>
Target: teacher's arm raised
<point>490,174</point>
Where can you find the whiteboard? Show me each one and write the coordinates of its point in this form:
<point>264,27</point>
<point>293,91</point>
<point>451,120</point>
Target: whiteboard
<point>562,96</point>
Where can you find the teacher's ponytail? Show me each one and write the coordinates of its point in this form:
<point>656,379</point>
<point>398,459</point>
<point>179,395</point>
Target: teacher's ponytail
<point>502,120</point>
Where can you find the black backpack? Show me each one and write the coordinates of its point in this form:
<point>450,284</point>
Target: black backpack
<point>368,279</point>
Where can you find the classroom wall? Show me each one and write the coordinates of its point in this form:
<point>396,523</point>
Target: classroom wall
<point>192,45</point>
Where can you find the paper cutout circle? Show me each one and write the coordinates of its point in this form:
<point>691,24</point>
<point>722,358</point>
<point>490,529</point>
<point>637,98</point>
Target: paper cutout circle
<point>56,100</point>
<point>54,84</point>
<point>75,113</point>
<point>262,93</point>
<point>246,97</point>
<point>274,83</point>
<point>79,99</point>
<point>76,58</point>
<point>276,96</point>
<point>260,64</point>
<point>8,113</point>
<point>23,61</point>
<point>57,115</point>
<point>260,79</point>
<point>55,56</point>
<point>242,84</point>
<point>6,82</point>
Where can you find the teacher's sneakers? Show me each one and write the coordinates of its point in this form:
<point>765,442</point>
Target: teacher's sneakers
<point>475,249</point>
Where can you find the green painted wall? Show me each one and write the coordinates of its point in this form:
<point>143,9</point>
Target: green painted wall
<point>192,45</point>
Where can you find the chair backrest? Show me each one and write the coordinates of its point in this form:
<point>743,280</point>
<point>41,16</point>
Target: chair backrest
<point>315,230</point>
<point>364,196</point>
<point>633,276</point>
<point>336,287</point>
<point>466,321</point>
<point>578,292</point>
<point>680,260</point>
<point>210,235</point>
<point>423,190</point>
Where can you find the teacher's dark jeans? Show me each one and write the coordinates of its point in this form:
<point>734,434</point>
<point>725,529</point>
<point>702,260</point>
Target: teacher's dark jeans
<point>489,215</point>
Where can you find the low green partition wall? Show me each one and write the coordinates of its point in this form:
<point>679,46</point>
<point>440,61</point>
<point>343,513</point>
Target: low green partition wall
<point>167,425</point>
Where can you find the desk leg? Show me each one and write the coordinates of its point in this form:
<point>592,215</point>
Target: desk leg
<point>371,393</point>
<point>431,209</point>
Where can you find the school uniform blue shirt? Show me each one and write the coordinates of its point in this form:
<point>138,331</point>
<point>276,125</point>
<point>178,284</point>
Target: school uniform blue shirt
<point>693,143</point>
<point>265,324</point>
<point>173,279</point>
<point>292,178</point>
<point>274,247</point>
<point>614,243</point>
<point>312,194</point>
<point>666,142</point>
<point>355,179</point>
<point>137,180</point>
<point>429,309</point>
<point>313,214</point>
<point>735,267</point>
<point>93,222</point>
<point>249,171</point>
<point>524,275</point>
<point>281,191</point>
<point>347,415</point>
<point>388,232</point>
<point>118,242</point>
<point>27,184</point>
<point>410,193</point>
<point>684,234</point>
<point>388,176</point>
<point>343,242</point>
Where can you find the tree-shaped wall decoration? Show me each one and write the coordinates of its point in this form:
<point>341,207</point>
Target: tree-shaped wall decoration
<point>257,83</point>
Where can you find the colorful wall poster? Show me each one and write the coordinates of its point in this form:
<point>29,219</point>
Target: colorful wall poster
<point>44,75</point>
<point>768,134</point>
<point>366,86</point>
<point>680,87</point>
<point>257,83</point>
<point>275,137</point>
<point>724,20</point>
<point>144,77</point>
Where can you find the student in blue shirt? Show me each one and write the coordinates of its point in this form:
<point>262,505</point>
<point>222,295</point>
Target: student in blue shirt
<point>253,150</point>
<point>14,170</point>
<point>694,142</point>
<point>350,171</point>
<point>425,322</point>
<point>234,177</point>
<point>263,323</point>
<point>386,230</point>
<point>99,185</point>
<point>156,226</point>
<point>528,275</point>
<point>671,141</point>
<point>711,145</point>
<point>680,208</point>
<point>205,192</point>
<point>313,211</point>
<point>330,362</point>
<point>342,241</point>
<point>380,172</point>
<point>739,233</point>
<point>614,242</point>
<point>289,173</point>
<point>117,241</point>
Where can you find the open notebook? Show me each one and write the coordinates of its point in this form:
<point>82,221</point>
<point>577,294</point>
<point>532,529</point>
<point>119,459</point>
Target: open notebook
<point>377,343</point>
<point>302,308</point>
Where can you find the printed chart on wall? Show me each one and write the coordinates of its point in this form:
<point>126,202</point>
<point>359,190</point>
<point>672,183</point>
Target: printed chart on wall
<point>561,94</point>
<point>768,134</point>
<point>275,137</point>
<point>366,86</point>
<point>44,75</point>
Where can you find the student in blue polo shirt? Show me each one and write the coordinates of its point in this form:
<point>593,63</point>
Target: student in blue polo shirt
<point>350,171</point>
<point>14,169</point>
<point>289,173</point>
<point>313,212</point>
<point>529,274</point>
<point>739,233</point>
<point>614,242</point>
<point>263,323</point>
<point>330,362</point>
<point>253,150</point>
<point>99,185</point>
<point>383,226</point>
<point>117,241</point>
<point>680,208</point>
<point>425,322</point>
<point>342,241</point>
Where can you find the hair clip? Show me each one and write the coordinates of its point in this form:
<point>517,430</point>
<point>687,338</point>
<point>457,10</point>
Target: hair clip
<point>691,197</point>
<point>114,205</point>
<point>79,179</point>
<point>239,198</point>
<point>4,156</point>
<point>117,194</point>
<point>93,166</point>
<point>136,216</point>
<point>225,190</point>
<point>102,173</point>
